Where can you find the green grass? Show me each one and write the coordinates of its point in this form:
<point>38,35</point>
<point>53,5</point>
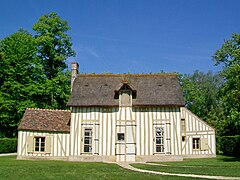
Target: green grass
<point>10,168</point>
<point>220,166</point>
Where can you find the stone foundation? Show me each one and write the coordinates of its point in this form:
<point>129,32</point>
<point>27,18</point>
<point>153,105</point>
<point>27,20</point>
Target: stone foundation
<point>199,156</point>
<point>92,158</point>
<point>158,158</point>
<point>61,158</point>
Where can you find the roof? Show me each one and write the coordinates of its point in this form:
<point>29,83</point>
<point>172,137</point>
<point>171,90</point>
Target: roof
<point>45,120</point>
<point>151,89</point>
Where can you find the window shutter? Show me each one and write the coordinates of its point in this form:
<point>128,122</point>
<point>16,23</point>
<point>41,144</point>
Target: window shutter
<point>204,144</point>
<point>48,144</point>
<point>30,145</point>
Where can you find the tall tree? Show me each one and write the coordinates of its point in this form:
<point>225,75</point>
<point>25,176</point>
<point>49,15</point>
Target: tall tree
<point>33,71</point>
<point>229,57</point>
<point>201,93</point>
<point>53,44</point>
<point>20,73</point>
<point>54,47</point>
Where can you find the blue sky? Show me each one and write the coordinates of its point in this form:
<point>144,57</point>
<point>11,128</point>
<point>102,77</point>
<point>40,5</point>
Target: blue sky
<point>135,36</point>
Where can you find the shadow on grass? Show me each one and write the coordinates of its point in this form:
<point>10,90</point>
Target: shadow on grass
<point>230,159</point>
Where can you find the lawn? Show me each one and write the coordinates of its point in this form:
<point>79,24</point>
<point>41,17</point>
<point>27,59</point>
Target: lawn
<point>10,168</point>
<point>220,166</point>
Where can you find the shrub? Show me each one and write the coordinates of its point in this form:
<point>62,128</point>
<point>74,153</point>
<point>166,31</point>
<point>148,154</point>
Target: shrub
<point>230,145</point>
<point>8,145</point>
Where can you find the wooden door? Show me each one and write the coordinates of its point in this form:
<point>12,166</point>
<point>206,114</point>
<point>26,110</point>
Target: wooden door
<point>125,143</point>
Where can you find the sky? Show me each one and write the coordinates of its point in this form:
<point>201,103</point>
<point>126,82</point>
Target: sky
<point>134,36</point>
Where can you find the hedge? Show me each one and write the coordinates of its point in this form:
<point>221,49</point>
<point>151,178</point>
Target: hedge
<point>229,145</point>
<point>8,145</point>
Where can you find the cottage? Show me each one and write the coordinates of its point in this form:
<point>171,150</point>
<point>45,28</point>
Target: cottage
<point>117,117</point>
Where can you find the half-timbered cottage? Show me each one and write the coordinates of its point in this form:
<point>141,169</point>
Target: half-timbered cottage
<point>117,117</point>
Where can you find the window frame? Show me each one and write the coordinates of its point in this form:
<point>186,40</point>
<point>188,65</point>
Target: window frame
<point>41,144</point>
<point>196,143</point>
<point>90,138</point>
<point>161,144</point>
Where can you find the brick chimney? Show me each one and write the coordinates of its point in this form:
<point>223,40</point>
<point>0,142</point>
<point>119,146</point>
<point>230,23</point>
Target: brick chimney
<point>74,73</point>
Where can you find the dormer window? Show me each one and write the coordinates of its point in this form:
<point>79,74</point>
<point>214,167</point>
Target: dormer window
<point>126,97</point>
<point>125,93</point>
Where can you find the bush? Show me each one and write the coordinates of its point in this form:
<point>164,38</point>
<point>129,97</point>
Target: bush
<point>8,145</point>
<point>230,145</point>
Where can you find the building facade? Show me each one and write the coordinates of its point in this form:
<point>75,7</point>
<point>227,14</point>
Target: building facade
<point>117,117</point>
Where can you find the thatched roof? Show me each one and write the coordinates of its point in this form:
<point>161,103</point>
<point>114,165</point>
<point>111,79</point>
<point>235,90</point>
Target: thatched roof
<point>151,89</point>
<point>45,120</point>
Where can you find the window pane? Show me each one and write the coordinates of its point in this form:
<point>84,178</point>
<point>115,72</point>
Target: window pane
<point>197,145</point>
<point>36,148</point>
<point>37,144</point>
<point>159,148</point>
<point>120,136</point>
<point>87,133</point>
<point>196,142</point>
<point>88,140</point>
<point>183,138</point>
<point>87,148</point>
<point>159,131</point>
<point>159,140</point>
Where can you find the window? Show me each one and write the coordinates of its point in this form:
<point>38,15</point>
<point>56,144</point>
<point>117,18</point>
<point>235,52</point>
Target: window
<point>159,139</point>
<point>183,125</point>
<point>183,138</point>
<point>196,143</point>
<point>87,140</point>
<point>125,98</point>
<point>39,144</point>
<point>120,136</point>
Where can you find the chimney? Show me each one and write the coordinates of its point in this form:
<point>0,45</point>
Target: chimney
<point>74,73</point>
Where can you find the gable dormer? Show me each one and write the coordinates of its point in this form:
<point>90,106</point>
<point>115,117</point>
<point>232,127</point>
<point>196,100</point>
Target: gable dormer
<point>125,93</point>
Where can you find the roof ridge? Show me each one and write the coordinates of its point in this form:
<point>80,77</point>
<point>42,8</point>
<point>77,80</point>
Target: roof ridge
<point>39,109</point>
<point>135,75</point>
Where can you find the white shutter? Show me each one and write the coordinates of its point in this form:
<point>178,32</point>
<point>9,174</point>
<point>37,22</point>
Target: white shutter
<point>48,144</point>
<point>204,144</point>
<point>30,144</point>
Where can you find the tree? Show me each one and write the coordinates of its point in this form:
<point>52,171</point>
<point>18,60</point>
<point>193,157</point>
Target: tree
<point>229,56</point>
<point>53,44</point>
<point>200,92</point>
<point>54,47</point>
<point>20,72</point>
<point>33,71</point>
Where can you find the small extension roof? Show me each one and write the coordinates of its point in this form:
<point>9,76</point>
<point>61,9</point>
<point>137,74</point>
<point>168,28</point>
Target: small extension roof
<point>45,120</point>
<point>151,89</point>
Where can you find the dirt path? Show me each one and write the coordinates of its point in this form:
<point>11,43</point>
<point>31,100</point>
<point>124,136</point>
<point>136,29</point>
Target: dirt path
<point>8,154</point>
<point>127,166</point>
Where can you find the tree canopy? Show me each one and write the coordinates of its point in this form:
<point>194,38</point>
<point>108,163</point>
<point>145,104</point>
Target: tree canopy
<point>33,71</point>
<point>53,44</point>
<point>200,92</point>
<point>229,57</point>
<point>20,72</point>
